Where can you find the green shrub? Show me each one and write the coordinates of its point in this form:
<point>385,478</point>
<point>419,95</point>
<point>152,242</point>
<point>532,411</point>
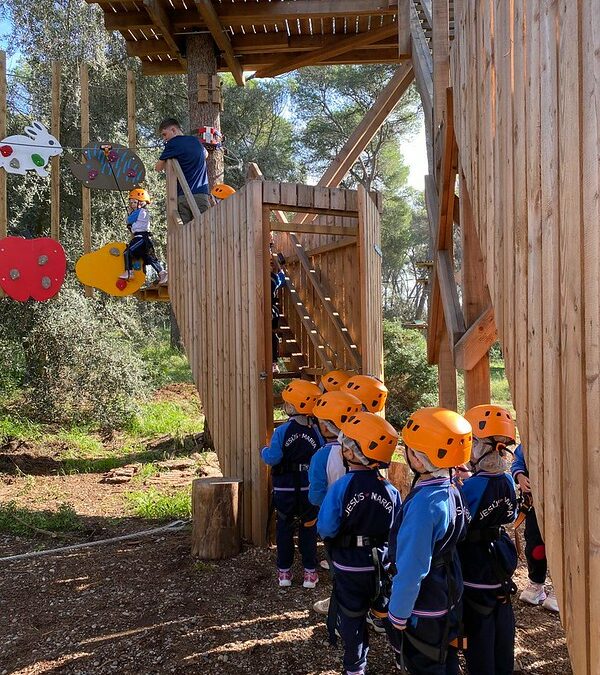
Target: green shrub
<point>21,521</point>
<point>411,382</point>
<point>154,505</point>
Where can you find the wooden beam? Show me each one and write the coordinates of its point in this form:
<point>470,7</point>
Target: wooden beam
<point>441,59</point>
<point>476,341</point>
<point>161,20</point>
<point>131,108</point>
<point>162,68</point>
<point>55,161</point>
<point>453,318</point>
<point>275,12</point>
<point>343,45</point>
<point>86,193</point>
<point>209,14</point>
<point>142,48</point>
<point>325,248</point>
<point>127,20</point>
<point>314,228</point>
<point>280,43</point>
<point>423,65</point>
<point>447,390</point>
<point>447,182</point>
<point>385,54</point>
<point>403,21</point>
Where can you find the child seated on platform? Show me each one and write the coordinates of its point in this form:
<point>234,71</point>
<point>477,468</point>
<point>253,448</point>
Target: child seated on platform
<point>488,554</point>
<point>425,604</point>
<point>292,446</point>
<point>141,246</point>
<point>355,520</point>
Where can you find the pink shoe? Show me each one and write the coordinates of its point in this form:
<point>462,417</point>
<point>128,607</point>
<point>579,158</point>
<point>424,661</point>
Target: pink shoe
<point>285,578</point>
<point>311,578</point>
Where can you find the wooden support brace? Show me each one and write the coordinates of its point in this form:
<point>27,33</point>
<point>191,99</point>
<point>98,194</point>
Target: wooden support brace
<point>476,341</point>
<point>160,18</point>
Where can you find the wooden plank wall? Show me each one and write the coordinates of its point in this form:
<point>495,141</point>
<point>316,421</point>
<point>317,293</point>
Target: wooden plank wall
<point>216,285</point>
<point>527,116</point>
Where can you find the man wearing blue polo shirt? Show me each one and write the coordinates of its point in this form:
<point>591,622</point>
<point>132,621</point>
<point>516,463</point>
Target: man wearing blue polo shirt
<point>192,157</point>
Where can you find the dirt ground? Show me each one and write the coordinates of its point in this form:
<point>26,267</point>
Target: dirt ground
<point>146,607</point>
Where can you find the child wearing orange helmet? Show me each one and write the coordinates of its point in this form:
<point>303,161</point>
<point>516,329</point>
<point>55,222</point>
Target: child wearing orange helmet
<point>425,603</point>
<point>370,390</point>
<point>355,520</point>
<point>292,446</point>
<point>141,246</point>
<point>488,555</point>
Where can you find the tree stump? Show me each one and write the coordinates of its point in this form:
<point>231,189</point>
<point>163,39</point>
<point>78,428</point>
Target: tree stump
<point>400,476</point>
<point>215,518</point>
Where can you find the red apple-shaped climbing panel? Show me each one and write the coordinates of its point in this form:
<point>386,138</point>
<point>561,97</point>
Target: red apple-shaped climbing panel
<point>31,268</point>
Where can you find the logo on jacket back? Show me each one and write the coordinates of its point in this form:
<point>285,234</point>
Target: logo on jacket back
<point>303,436</point>
<point>364,496</point>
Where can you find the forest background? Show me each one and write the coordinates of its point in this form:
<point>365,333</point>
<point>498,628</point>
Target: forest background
<point>84,365</point>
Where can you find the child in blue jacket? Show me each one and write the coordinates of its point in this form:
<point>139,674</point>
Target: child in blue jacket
<point>292,446</point>
<point>355,520</point>
<point>425,605</point>
<point>535,549</point>
<point>488,555</point>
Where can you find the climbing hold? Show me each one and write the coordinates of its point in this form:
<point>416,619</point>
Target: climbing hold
<point>46,282</point>
<point>132,173</point>
<point>14,163</point>
<point>38,160</point>
<point>14,274</point>
<point>43,259</point>
<point>137,265</point>
<point>115,251</point>
<point>6,151</point>
<point>113,156</point>
<point>92,174</point>
<point>121,284</point>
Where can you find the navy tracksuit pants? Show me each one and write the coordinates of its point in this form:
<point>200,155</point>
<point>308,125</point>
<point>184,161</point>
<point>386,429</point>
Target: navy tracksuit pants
<point>141,247</point>
<point>496,628</point>
<point>535,551</point>
<point>287,508</point>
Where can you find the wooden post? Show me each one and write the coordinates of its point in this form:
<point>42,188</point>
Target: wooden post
<point>441,59</point>
<point>3,199</point>
<point>215,518</point>
<point>476,298</point>
<point>55,161</point>
<point>204,111</point>
<point>447,395</point>
<point>131,123</point>
<point>86,194</point>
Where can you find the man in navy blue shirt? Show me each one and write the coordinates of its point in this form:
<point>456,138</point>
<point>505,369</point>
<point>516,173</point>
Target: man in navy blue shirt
<point>190,154</point>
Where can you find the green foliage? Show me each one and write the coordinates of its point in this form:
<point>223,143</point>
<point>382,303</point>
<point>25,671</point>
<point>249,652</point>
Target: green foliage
<point>155,505</point>
<point>22,521</point>
<point>164,364</point>
<point>12,426</point>
<point>158,418</point>
<point>411,382</point>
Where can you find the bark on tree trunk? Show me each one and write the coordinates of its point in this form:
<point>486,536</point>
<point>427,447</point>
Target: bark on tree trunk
<point>215,518</point>
<point>176,342</point>
<point>202,59</point>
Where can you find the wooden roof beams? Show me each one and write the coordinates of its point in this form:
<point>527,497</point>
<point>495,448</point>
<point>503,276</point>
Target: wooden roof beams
<point>160,19</point>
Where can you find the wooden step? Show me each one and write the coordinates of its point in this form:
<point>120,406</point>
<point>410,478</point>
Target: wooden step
<point>154,293</point>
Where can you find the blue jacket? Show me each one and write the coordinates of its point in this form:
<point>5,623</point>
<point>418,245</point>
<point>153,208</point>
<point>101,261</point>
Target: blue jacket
<point>519,464</point>
<point>326,466</point>
<point>360,503</point>
<point>433,519</point>
<point>292,444</point>
<point>492,501</point>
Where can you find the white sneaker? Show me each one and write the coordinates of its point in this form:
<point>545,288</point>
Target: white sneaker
<point>311,578</point>
<point>322,606</point>
<point>127,275</point>
<point>534,594</point>
<point>550,603</point>
<point>163,278</point>
<point>375,623</point>
<point>324,564</point>
<point>284,578</point>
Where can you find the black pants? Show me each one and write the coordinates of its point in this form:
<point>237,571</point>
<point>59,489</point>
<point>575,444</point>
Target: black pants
<point>535,551</point>
<point>141,247</point>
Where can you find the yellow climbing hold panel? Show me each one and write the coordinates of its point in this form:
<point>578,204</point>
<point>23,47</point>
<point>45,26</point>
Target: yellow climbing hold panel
<point>102,268</point>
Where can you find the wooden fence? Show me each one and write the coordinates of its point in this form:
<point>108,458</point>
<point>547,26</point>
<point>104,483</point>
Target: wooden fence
<point>219,285</point>
<point>527,119</point>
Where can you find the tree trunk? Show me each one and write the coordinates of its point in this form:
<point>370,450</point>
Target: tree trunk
<point>215,518</point>
<point>400,476</point>
<point>176,342</point>
<point>202,59</point>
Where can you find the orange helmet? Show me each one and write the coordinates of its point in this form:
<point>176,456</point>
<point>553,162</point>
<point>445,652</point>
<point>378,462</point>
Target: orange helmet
<point>491,420</point>
<point>337,407</point>
<point>371,391</point>
<point>334,380</point>
<point>141,194</point>
<point>375,437</point>
<point>222,191</point>
<point>302,395</point>
<point>443,435</point>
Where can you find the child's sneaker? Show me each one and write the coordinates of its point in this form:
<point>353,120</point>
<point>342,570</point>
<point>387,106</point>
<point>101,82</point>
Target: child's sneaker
<point>310,578</point>
<point>375,623</point>
<point>322,606</point>
<point>163,278</point>
<point>324,564</point>
<point>285,578</point>
<point>534,594</point>
<point>550,603</point>
<point>127,275</point>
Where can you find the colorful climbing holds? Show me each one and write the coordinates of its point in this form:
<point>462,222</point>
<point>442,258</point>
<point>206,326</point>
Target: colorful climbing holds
<point>38,160</point>
<point>101,269</point>
<point>6,150</point>
<point>31,268</point>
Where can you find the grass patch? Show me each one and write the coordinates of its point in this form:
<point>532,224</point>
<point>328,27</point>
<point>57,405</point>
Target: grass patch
<point>166,365</point>
<point>21,521</point>
<point>15,427</point>
<point>155,505</point>
<point>148,470</point>
<point>159,418</point>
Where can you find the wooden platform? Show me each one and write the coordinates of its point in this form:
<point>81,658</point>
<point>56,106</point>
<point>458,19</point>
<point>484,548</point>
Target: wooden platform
<point>153,294</point>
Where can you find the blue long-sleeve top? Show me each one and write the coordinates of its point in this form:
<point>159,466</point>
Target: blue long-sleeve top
<point>433,519</point>
<point>326,466</point>
<point>519,464</point>
<point>277,281</point>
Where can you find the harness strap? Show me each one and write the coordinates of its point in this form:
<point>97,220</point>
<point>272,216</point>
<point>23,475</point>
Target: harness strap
<point>357,540</point>
<point>485,534</point>
<point>478,607</point>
